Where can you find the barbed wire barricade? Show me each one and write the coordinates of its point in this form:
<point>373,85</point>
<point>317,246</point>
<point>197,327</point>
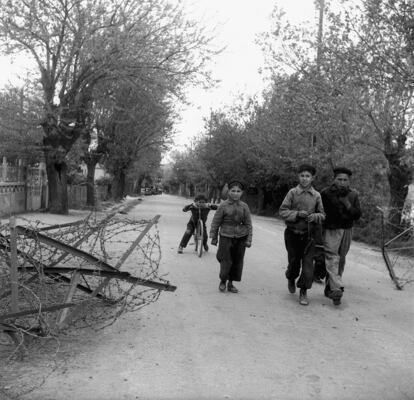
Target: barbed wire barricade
<point>81,274</point>
<point>397,245</point>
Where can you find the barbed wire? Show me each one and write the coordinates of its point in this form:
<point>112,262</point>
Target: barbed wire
<point>398,242</point>
<point>105,239</point>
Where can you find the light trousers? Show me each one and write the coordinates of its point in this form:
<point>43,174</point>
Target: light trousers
<point>336,244</point>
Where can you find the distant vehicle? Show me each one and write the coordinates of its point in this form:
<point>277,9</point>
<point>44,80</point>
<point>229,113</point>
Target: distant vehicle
<point>146,191</point>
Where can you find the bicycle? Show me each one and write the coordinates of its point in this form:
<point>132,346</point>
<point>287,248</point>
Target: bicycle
<point>199,235</point>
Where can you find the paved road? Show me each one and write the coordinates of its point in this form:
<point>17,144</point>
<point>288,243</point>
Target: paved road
<point>197,343</point>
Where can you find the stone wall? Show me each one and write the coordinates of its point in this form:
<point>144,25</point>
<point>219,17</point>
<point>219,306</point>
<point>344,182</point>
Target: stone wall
<point>12,198</point>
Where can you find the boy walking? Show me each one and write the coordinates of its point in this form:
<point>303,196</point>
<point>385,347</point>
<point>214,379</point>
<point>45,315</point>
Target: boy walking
<point>342,209</point>
<point>302,210</point>
<point>199,207</point>
<point>231,224</point>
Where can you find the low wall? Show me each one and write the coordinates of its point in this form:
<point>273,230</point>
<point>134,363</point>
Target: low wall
<point>16,198</point>
<point>12,198</point>
<point>101,193</point>
<point>76,196</point>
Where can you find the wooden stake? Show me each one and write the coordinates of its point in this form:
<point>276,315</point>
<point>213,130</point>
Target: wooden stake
<point>73,284</point>
<point>13,270</point>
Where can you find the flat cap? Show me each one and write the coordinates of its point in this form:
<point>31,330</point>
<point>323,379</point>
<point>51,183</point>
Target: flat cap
<point>236,182</point>
<point>200,196</point>
<point>342,170</point>
<point>308,168</point>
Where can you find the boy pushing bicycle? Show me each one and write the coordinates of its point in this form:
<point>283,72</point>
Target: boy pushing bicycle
<point>302,209</point>
<point>199,209</point>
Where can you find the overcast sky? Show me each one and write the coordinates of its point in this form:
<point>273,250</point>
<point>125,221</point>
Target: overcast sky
<point>237,24</point>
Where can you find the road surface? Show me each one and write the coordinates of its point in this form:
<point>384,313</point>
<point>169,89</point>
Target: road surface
<point>198,343</point>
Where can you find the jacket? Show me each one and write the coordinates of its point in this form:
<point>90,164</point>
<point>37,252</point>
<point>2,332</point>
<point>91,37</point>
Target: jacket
<point>338,216</point>
<point>233,220</point>
<point>299,199</point>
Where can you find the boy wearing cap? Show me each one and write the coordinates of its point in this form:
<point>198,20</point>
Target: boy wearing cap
<point>200,204</point>
<point>301,209</point>
<point>342,209</point>
<point>232,225</point>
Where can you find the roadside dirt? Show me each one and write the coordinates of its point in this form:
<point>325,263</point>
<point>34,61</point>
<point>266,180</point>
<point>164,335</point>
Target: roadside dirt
<point>197,343</point>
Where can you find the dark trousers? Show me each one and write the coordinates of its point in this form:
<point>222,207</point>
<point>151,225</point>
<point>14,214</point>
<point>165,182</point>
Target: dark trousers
<point>300,248</point>
<point>230,255</point>
<point>189,231</point>
<point>319,263</point>
<point>319,254</point>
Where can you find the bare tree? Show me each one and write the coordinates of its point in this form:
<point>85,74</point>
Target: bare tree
<point>77,44</point>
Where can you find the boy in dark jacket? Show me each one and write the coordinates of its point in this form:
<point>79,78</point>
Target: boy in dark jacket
<point>302,210</point>
<point>201,207</point>
<point>342,208</point>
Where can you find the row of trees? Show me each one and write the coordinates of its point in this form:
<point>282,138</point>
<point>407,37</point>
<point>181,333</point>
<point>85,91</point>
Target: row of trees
<point>105,79</point>
<point>344,97</point>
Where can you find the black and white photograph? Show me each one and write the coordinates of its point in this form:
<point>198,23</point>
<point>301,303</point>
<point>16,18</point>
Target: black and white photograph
<point>206,200</point>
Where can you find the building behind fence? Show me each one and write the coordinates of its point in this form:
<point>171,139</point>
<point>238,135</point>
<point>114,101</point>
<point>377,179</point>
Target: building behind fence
<point>24,188</point>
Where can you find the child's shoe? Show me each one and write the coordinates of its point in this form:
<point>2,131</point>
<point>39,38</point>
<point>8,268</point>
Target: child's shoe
<point>303,298</point>
<point>222,286</point>
<point>205,247</point>
<point>180,250</point>
<point>231,288</point>
<point>336,296</point>
<point>291,286</point>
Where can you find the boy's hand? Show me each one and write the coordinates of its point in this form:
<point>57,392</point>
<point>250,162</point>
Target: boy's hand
<point>302,214</point>
<point>345,201</point>
<point>314,218</point>
<point>214,242</point>
<point>248,244</point>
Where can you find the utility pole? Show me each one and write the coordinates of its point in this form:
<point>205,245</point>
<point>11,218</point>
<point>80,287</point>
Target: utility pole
<point>321,6</point>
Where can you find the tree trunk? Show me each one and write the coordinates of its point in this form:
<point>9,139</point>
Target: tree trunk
<point>90,184</point>
<point>118,185</point>
<point>57,143</point>
<point>399,175</point>
<point>56,170</point>
<point>260,199</point>
<point>139,183</point>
